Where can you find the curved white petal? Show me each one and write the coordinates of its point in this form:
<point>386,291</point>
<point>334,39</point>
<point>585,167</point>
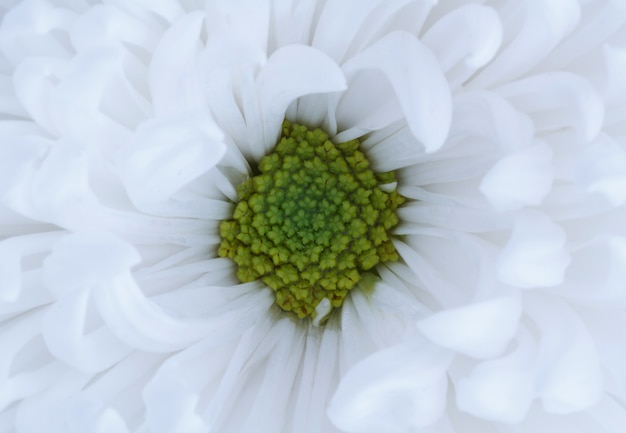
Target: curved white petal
<point>597,273</point>
<point>10,104</point>
<point>103,24</point>
<point>464,40</point>
<point>174,409</point>
<point>482,329</point>
<point>522,178</point>
<point>556,100</point>
<point>393,390</point>
<point>21,344</point>
<point>594,30</point>
<point>167,9</point>
<point>173,77</point>
<point>503,389</point>
<point>291,72</point>
<point>318,357</point>
<point>355,20</point>
<point>104,264</point>
<point>91,417</point>
<point>489,116</point>
<point>88,98</point>
<point>417,81</point>
<point>167,153</point>
<point>13,252</point>
<point>245,22</point>
<point>602,169</point>
<point>61,192</point>
<point>570,376</point>
<point>126,126</point>
<point>143,324</point>
<point>545,24</point>
<point>615,63</point>
<point>34,83</point>
<point>172,395</point>
<point>535,254</point>
<point>47,410</point>
<point>63,332</point>
<point>83,260</point>
<point>26,30</point>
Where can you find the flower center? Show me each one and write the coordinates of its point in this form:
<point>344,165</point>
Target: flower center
<point>312,222</point>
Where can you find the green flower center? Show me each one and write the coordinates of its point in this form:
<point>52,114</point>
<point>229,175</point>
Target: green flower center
<point>312,222</point>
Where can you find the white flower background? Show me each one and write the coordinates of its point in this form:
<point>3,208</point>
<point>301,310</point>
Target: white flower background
<point>125,126</point>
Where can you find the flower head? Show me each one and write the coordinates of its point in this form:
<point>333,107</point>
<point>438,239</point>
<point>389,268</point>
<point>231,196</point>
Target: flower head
<point>436,189</point>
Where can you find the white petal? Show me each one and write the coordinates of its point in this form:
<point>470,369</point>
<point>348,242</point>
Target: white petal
<point>318,378</point>
<point>140,322</point>
<point>561,394</point>
<point>34,82</point>
<point>93,101</point>
<point>604,326</point>
<point>292,21</point>
<point>26,31</point>
<point>448,215</point>
<point>369,104</point>
<point>393,390</point>
<point>60,191</point>
<point>609,413</point>
<point>354,20</point>
<point>226,411</point>
<point>244,22</point>
<point>597,273</point>
<point>45,411</point>
<point>168,9</point>
<point>90,417</point>
<point>556,100</point>
<point>175,409</point>
<point>21,344</point>
<point>173,77</point>
<point>19,160</point>
<point>501,390</point>
<point>535,254</point>
<point>63,331</point>
<point>166,154</point>
<point>603,169</point>
<point>10,104</point>
<point>392,148</point>
<point>488,116</point>
<point>569,372</point>
<point>321,311</point>
<point>14,252</point>
<point>286,345</point>
<point>545,24</point>
<point>522,178</point>
<point>417,80</point>
<point>594,30</point>
<point>354,338</point>
<point>324,361</point>
<point>103,24</point>
<point>464,40</point>
<point>482,329</point>
<point>291,72</point>
<point>612,88</point>
<point>172,394</point>
<point>82,260</point>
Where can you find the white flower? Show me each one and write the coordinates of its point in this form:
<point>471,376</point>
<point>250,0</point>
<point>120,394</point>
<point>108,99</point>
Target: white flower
<point>126,127</point>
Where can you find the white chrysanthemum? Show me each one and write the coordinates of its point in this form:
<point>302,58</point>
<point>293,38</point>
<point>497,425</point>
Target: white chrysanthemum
<point>126,126</point>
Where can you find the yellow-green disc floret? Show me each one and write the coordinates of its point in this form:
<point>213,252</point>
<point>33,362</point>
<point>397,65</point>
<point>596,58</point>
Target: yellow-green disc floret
<point>312,222</point>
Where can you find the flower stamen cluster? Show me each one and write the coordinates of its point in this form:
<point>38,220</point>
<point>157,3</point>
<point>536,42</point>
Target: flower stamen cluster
<point>312,222</point>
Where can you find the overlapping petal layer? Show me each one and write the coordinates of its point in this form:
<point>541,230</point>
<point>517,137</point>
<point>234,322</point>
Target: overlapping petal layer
<point>126,126</point>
